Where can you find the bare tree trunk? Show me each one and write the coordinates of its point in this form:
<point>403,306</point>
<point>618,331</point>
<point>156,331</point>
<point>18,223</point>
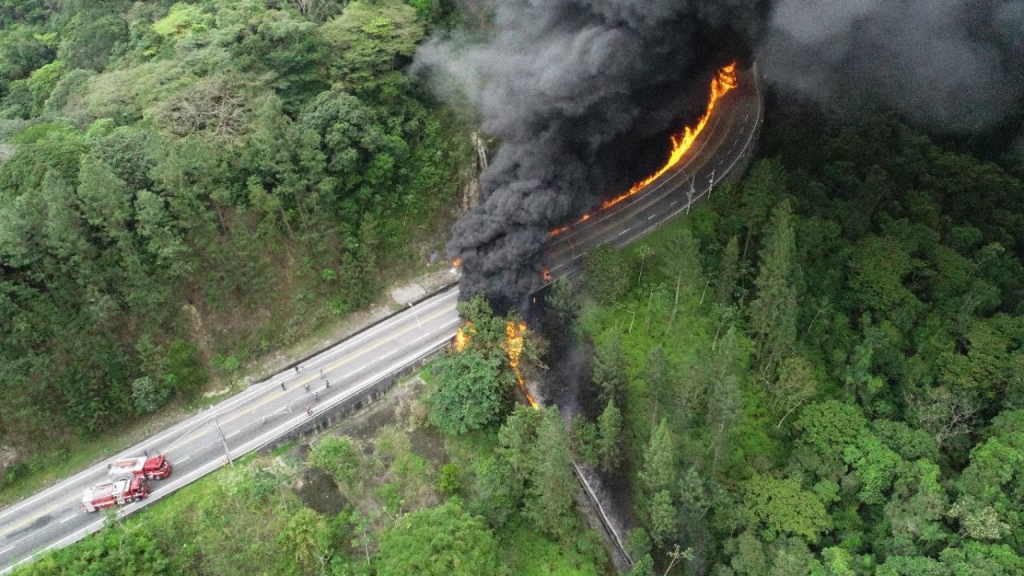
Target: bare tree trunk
<point>647,316</point>
<point>786,415</point>
<point>675,306</point>
<point>284,219</point>
<point>816,314</point>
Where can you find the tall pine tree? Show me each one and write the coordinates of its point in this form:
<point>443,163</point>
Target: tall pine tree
<point>773,312</point>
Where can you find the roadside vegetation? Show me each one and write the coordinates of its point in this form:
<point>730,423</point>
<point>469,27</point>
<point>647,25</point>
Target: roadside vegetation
<point>819,370</point>
<point>401,499</point>
<point>816,372</point>
<point>186,187</point>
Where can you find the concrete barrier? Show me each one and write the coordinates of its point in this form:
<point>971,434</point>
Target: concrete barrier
<point>330,415</point>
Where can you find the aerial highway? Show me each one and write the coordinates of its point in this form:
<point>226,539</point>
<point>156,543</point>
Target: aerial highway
<point>725,144</point>
<point>242,423</point>
<point>253,418</point>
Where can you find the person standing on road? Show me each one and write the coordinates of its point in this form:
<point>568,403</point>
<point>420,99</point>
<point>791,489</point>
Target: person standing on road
<point>282,386</point>
<point>309,410</point>
<point>327,383</point>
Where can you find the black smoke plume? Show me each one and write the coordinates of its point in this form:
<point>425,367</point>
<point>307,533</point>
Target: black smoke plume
<point>581,93</point>
<point>949,65</point>
<point>578,92</point>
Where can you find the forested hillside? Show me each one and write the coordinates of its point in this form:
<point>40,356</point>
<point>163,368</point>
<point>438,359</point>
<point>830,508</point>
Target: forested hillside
<point>818,372</point>
<point>821,370</point>
<point>185,186</point>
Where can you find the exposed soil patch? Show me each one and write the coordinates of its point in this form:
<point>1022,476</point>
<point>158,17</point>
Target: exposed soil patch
<point>429,446</point>
<point>317,490</point>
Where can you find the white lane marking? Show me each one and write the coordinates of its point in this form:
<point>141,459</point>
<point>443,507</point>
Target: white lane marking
<point>58,544</point>
<point>446,327</point>
<point>69,518</point>
<point>388,324</point>
<point>6,550</point>
<point>234,433</point>
<point>624,231</point>
<point>183,458</point>
<point>449,332</point>
<point>205,415</point>
<point>652,215</point>
<point>578,227</point>
<point>352,343</point>
<point>673,203</point>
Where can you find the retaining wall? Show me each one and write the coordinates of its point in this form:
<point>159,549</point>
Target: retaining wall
<point>331,415</point>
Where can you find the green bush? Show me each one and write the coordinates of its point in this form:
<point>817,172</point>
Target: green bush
<point>185,374</point>
<point>449,479</point>
<point>148,395</point>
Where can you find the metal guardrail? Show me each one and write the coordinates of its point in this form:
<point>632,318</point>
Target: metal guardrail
<point>619,545</point>
<point>260,442</point>
<point>298,424</point>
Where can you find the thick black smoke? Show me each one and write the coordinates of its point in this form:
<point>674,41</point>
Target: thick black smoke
<point>578,90</point>
<point>574,90</point>
<point>951,65</point>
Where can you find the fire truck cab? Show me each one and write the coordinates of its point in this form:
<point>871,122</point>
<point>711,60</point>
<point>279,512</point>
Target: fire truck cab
<point>155,468</point>
<point>115,493</point>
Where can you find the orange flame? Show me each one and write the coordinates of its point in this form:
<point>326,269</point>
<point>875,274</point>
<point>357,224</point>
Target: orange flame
<point>514,344</point>
<point>546,274</point>
<point>462,337</point>
<point>722,84</point>
<point>513,347</point>
<point>457,262</point>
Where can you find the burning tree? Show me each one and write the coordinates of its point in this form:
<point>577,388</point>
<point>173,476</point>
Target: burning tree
<point>475,379</point>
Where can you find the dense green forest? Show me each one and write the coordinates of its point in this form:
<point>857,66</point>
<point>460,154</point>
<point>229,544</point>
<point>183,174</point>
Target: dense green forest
<point>187,186</point>
<point>819,371</point>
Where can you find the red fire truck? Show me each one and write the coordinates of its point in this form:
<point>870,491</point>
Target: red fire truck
<point>115,493</point>
<point>155,468</point>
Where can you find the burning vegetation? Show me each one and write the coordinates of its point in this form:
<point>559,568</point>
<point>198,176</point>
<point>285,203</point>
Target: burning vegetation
<point>513,346</point>
<point>580,95</point>
<point>463,336</point>
<point>473,381</point>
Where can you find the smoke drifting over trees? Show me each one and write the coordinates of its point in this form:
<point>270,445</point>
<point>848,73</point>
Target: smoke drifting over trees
<point>574,90</point>
<point>952,65</point>
<point>578,90</point>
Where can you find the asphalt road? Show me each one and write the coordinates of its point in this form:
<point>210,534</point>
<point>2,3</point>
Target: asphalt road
<point>54,517</point>
<point>253,418</point>
<point>725,142</point>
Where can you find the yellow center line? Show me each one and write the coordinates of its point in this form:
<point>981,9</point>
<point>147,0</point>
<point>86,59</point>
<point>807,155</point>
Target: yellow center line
<point>279,393</point>
<point>14,527</point>
<point>17,525</point>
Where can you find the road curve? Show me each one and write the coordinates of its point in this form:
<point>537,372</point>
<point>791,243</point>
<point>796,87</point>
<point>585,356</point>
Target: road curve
<point>725,144</point>
<point>54,517</point>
